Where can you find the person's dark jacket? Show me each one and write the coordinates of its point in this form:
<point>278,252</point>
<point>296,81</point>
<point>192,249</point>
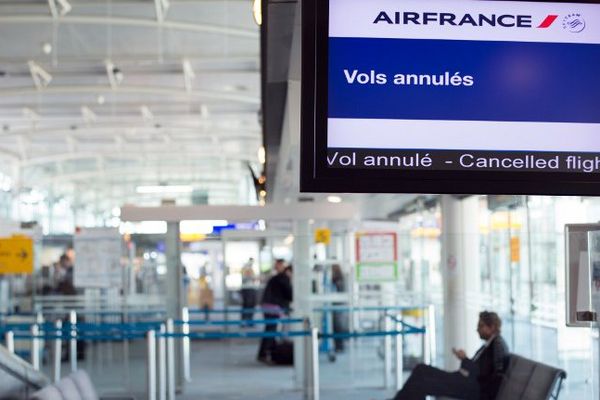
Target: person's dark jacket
<point>489,367</point>
<point>278,291</point>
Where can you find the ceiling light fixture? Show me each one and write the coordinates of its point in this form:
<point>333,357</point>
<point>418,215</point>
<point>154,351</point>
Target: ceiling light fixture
<point>334,199</point>
<point>47,48</point>
<point>64,5</point>
<point>257,12</point>
<point>262,155</point>
<point>188,75</point>
<point>41,78</point>
<point>88,115</point>
<point>31,115</point>
<point>115,75</point>
<point>162,7</point>
<point>146,113</point>
<point>204,113</point>
<point>100,100</point>
<point>161,189</point>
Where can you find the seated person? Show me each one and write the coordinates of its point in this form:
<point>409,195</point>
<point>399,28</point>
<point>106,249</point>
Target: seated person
<point>478,378</point>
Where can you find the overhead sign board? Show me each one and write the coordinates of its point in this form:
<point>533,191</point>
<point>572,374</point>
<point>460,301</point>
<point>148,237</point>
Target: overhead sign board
<point>16,255</point>
<point>451,96</point>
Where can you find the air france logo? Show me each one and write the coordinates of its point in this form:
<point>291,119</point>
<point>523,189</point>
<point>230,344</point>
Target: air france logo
<point>574,23</point>
<point>451,19</point>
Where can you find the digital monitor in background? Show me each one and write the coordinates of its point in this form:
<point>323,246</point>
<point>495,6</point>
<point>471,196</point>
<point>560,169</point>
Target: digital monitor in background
<point>451,96</point>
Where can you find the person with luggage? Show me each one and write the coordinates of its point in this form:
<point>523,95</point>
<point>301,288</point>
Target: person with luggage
<point>276,300</point>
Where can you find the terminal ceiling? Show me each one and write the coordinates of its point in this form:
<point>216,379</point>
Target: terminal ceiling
<point>114,95</point>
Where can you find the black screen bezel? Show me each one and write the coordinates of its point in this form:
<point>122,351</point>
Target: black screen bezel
<point>315,176</point>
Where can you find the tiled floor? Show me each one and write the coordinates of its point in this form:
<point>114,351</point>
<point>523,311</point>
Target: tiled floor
<point>227,370</point>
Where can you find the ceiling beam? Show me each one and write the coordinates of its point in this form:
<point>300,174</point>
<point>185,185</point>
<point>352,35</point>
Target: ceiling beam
<point>130,155</point>
<point>131,22</point>
<point>122,129</point>
<point>141,90</point>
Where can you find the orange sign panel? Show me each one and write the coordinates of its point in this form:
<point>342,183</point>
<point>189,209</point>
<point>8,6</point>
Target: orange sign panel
<point>16,255</point>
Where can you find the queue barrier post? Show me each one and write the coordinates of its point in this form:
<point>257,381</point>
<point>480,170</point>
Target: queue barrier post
<point>430,332</point>
<point>35,347</point>
<point>9,340</point>
<point>314,349</point>
<point>170,361</point>
<point>151,371</point>
<point>162,363</point>
<point>311,363</point>
<point>73,340</point>
<point>387,355</point>
<point>399,353</point>
<point>39,318</point>
<point>185,343</point>
<point>57,351</point>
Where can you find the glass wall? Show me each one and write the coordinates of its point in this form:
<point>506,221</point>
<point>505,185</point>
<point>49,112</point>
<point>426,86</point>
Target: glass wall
<point>522,276</point>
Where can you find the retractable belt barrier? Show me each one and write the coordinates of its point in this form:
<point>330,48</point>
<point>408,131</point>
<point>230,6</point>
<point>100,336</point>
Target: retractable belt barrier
<point>161,337</point>
<point>367,308</point>
<point>235,310</point>
<point>85,312</point>
<point>241,322</point>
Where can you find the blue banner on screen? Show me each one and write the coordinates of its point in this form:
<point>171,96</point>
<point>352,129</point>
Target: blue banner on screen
<point>464,80</point>
<point>464,85</point>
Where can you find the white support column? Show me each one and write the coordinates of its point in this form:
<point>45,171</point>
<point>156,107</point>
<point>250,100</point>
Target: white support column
<point>461,273</point>
<point>302,289</point>
<point>175,291</point>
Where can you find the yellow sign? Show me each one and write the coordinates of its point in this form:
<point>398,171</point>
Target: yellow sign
<point>515,249</point>
<point>323,235</point>
<point>192,237</point>
<point>16,255</point>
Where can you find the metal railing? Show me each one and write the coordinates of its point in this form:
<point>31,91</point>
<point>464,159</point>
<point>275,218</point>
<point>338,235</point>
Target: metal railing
<point>161,340</point>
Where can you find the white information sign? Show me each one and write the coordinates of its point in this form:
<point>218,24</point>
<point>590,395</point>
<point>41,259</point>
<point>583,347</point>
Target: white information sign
<point>376,256</point>
<point>376,247</point>
<point>98,258</point>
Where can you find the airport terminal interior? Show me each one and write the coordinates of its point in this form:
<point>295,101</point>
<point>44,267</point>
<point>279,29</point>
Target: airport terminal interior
<point>155,244</point>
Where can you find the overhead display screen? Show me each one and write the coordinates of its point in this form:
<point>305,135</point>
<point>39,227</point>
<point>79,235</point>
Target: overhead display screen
<point>451,96</point>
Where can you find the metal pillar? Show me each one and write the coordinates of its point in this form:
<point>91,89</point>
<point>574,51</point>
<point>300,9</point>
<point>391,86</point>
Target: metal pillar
<point>186,345</point>
<point>35,347</point>
<point>57,351</point>
<point>9,339</point>
<point>73,340</point>
<point>162,364</point>
<point>151,365</point>
<point>302,289</point>
<point>171,364</point>
<point>175,291</point>
<point>460,260</point>
<point>399,354</point>
<point>387,353</point>
<point>312,385</point>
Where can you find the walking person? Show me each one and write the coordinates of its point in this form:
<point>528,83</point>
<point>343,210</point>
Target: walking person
<point>275,303</point>
<point>248,292</point>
